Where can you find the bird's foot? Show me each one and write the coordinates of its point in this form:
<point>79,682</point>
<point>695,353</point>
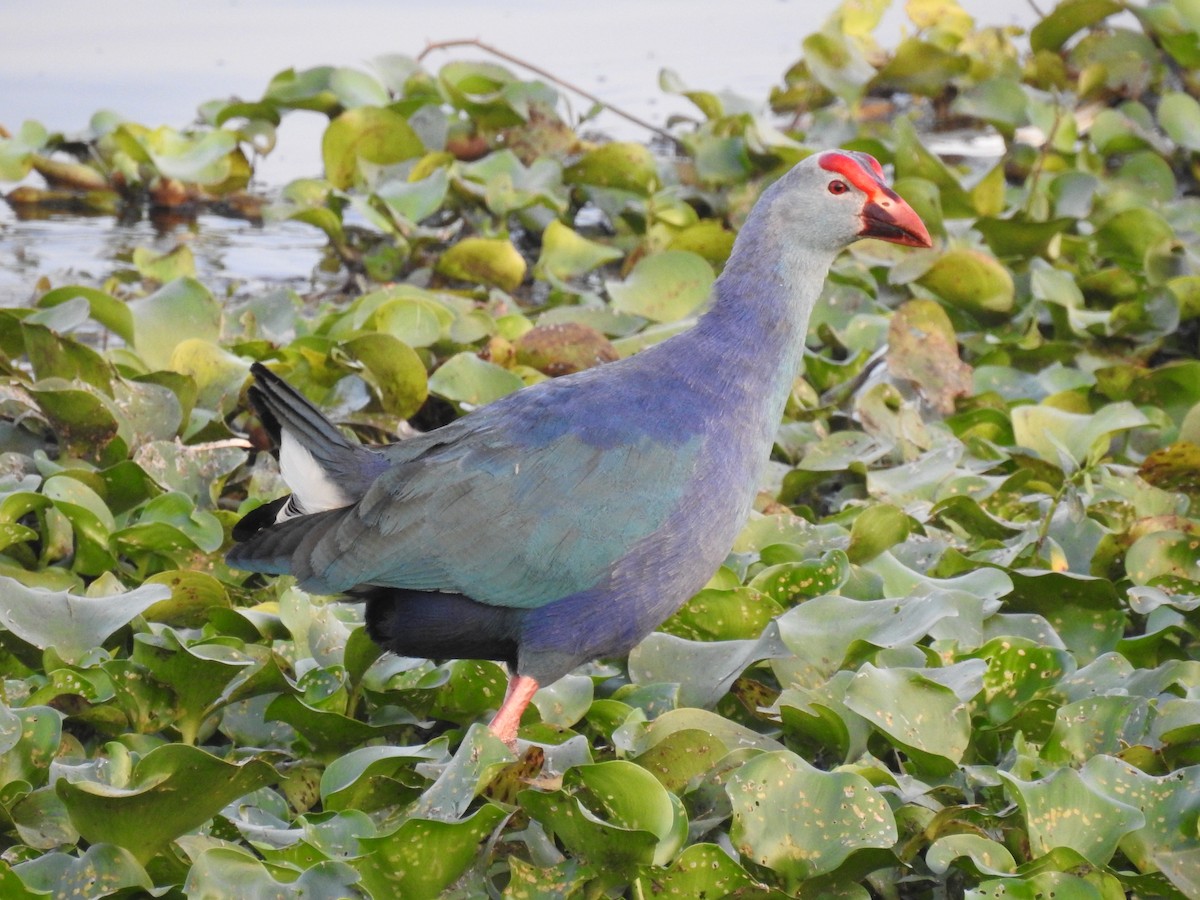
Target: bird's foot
<point>521,689</point>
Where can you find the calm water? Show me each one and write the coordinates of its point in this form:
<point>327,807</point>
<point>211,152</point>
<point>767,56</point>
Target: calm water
<point>154,61</point>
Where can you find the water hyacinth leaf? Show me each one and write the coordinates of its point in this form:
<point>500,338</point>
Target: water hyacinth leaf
<point>923,348</point>
<point>178,262</point>
<point>489,261</point>
<point>394,369</point>
<point>919,67</point>
<point>619,165</point>
<point>217,373</point>
<point>1096,725</point>
<point>106,309</point>
<point>1163,555</point>
<point>1018,237</point>
<point>417,321</point>
<point>566,254</point>
<point>199,673</point>
<point>1048,430</point>
<point>463,778</point>
<point>1085,612</point>
<point>1018,672</point>
<point>71,624</point>
<point>704,670</point>
<point>875,529</point>
<point>838,63</point>
<point>422,857</point>
<point>665,287</point>
<point>614,815</point>
<point>1000,102</point>
<point>629,797</point>
<point>414,201</point>
<point>563,347</point>
<point>84,420</point>
<point>1064,810</point>
<point>989,857</point>
<point>640,736</point>
<point>507,185</point>
<point>169,791</point>
<point>1059,885</point>
<point>65,874</point>
<point>349,781</point>
<point>724,615</point>
<point>1179,115</point>
<point>193,595</point>
<point>206,158</point>
<point>972,281</point>
<point>820,631</point>
<point>1169,804</point>
<point>701,870</point>
<point>150,412</point>
<point>1067,19</point>
<point>196,470</point>
<point>328,732</point>
<point>681,756</point>
<point>914,160</point>
<point>467,379</point>
<point>370,135</point>
<point>1128,236</point>
<point>802,822</point>
<point>17,152</point>
<point>354,88</point>
<point>921,714</point>
<point>233,872</point>
<point>30,737</point>
<point>179,310</point>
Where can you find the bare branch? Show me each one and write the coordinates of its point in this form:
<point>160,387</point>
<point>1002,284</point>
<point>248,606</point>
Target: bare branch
<point>549,76</point>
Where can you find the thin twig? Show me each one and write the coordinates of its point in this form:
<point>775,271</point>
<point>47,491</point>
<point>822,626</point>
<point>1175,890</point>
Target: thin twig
<point>543,73</point>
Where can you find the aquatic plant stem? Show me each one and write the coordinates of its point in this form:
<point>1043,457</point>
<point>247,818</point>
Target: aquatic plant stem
<point>549,76</point>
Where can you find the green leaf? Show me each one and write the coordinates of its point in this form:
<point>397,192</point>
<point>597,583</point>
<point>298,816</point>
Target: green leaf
<point>665,287</point>
<point>1064,810</point>
<point>971,280</point>
<point>1049,431</point>
<point>916,708</point>
<point>875,529</point>
<point>489,261</point>
<point>234,872</point>
<point>802,822</point>
<point>1067,19</point>
<point>566,254</point>
<point>170,791</point>
<point>465,378</point>
<point>988,856</point>
<point>1169,805</point>
<point>702,870</point>
<point>72,625</point>
<point>367,135</point>
<point>620,165</point>
<point>422,857</point>
<point>178,311</point>
<point>64,875</point>
<point>414,201</point>
<point>394,369</point>
<point>163,267</point>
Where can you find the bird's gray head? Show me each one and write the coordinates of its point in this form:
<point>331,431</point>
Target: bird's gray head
<point>831,199</point>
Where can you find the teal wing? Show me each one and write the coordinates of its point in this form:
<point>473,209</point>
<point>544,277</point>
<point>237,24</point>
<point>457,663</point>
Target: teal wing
<point>508,523</point>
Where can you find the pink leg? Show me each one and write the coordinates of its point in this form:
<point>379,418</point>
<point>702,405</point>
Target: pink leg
<point>521,689</point>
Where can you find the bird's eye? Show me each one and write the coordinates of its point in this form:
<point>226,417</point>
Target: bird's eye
<point>838,187</point>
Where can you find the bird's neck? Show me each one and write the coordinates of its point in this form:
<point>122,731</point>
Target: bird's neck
<point>752,337</point>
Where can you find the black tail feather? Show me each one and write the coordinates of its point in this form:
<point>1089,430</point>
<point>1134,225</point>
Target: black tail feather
<point>279,406</point>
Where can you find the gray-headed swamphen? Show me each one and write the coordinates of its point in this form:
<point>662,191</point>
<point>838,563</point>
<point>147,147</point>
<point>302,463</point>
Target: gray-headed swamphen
<point>566,521</point>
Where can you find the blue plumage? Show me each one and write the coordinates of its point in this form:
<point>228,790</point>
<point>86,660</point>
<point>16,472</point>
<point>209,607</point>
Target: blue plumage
<point>566,521</point>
